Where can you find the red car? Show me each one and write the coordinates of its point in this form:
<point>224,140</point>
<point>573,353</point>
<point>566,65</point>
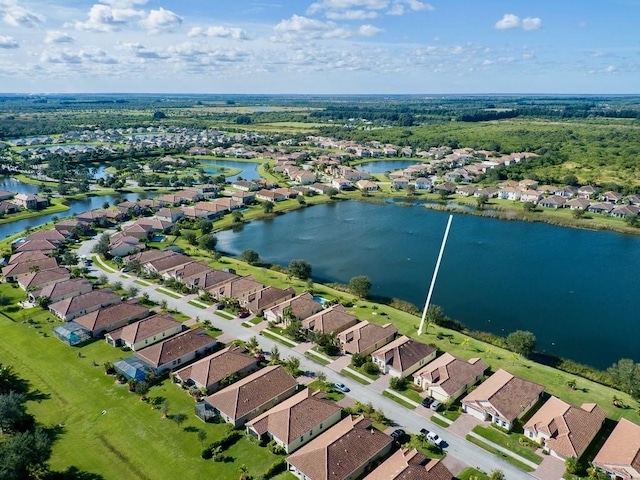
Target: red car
<point>244,313</point>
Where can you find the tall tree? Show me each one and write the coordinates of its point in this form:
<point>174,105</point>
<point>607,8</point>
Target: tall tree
<point>522,342</point>
<point>360,286</point>
<point>300,269</point>
<point>625,373</point>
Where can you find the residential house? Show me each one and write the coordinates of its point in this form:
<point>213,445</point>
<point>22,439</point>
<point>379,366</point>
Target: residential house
<point>164,265</point>
<point>297,420</point>
<point>341,183</point>
<point>625,211</point>
<point>620,454</point>
<point>240,288</point>
<point>57,291</point>
<point>244,197</point>
<point>588,192</point>
<point>465,190</point>
<point>245,186</point>
<point>93,217</point>
<point>577,204</point>
<point>121,245</point>
<point>194,269</point>
<point>299,307</point>
<point>489,192</point>
<point>409,464</point>
<point>553,201</point>
<point>255,394</point>
<point>333,319</point>
<point>532,196</point>
<point>565,192</point>
<point>423,183</point>
<point>344,452</point>
<point>612,197</point>
<point>634,200</point>
<point>565,430</point>
<point>74,307</point>
<point>210,280</point>
<point>69,227</point>
<point>145,332</point>
<point>29,256</point>
<point>141,232</point>
<point>509,193</point>
<point>155,224</point>
<point>44,246</point>
<point>7,208</point>
<point>30,201</point>
<point>364,337</point>
<point>4,195</point>
<point>528,184</point>
<point>305,178</point>
<point>403,356</point>
<point>270,196</point>
<point>267,298</point>
<point>40,279</point>
<point>113,317</point>
<point>601,207</point>
<point>502,399</point>
<point>400,183</point>
<point>448,377</point>
<point>147,256</point>
<point>210,373</point>
<point>52,235</point>
<point>13,271</point>
<point>177,351</point>
<point>367,186</point>
<point>169,214</point>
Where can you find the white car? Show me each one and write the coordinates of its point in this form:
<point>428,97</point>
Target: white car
<point>434,438</point>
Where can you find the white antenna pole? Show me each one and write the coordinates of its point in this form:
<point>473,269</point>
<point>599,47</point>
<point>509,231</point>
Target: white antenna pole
<point>435,274</point>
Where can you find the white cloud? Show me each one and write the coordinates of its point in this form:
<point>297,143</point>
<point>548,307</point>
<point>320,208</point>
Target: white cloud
<point>416,6</point>
<point>140,51</point>
<point>17,16</point>
<point>531,23</point>
<point>8,42</point>
<point>55,36</point>
<point>352,15</point>
<point>82,56</point>
<point>369,30</point>
<point>123,3</point>
<point>303,27</point>
<point>364,9</point>
<point>219,31</point>
<point>103,18</point>
<point>161,20</point>
<point>509,20</point>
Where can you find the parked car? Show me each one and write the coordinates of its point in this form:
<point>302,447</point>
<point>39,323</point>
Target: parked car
<point>244,313</point>
<point>435,405</point>
<point>397,434</point>
<point>424,431</point>
<point>434,438</point>
<point>427,402</point>
<point>342,387</point>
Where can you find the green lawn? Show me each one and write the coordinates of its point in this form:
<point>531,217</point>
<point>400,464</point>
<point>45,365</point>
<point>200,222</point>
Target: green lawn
<point>57,206</point>
<point>329,392</point>
<point>316,358</point>
<point>398,400</point>
<point>225,315</point>
<point>498,453</point>
<point>130,438</point>
<point>471,473</point>
<point>358,379</point>
<point>438,421</point>
<point>426,448</point>
<point>196,304</point>
<point>168,293</point>
<point>275,338</point>
<point>509,441</point>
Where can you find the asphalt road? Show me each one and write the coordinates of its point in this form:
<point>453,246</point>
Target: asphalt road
<point>406,419</point>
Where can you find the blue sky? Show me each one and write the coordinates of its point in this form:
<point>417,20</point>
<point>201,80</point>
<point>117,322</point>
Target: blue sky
<point>321,46</point>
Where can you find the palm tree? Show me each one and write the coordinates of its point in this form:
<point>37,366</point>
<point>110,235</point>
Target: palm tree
<point>322,379</point>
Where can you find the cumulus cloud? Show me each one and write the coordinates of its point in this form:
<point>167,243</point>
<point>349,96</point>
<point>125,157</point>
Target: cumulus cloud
<point>104,18</point>
<point>161,20</point>
<point>303,27</point>
<point>8,42</point>
<point>140,51</point>
<point>510,21</point>
<point>55,36</point>
<point>369,30</point>
<point>364,9</point>
<point>351,15</point>
<point>82,56</point>
<point>219,31</point>
<point>18,16</point>
<point>123,3</point>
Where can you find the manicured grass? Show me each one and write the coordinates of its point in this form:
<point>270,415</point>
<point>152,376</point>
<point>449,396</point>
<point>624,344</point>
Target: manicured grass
<point>411,394</point>
<point>452,415</point>
<point>196,304</point>
<point>168,293</point>
<point>347,373</point>
<point>142,282</point>
<point>497,453</point>
<point>426,448</point>
<point>256,320</point>
<point>329,392</point>
<point>438,421</point>
<point>128,440</point>
<point>472,473</point>
<point>225,315</point>
<point>398,400</point>
<point>56,207</point>
<point>316,359</point>
<point>509,441</point>
<point>282,341</point>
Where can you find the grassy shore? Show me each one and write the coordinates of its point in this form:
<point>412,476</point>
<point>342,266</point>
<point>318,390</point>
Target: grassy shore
<point>56,206</point>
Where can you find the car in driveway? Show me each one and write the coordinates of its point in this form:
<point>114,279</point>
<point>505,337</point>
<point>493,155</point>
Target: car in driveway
<point>341,386</point>
<point>426,402</point>
<point>244,313</point>
<point>435,405</point>
<point>397,434</point>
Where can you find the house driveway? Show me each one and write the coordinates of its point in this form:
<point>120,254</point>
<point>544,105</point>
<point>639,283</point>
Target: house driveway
<point>551,468</point>
<point>454,465</point>
<point>303,347</point>
<point>340,363</point>
<point>464,424</point>
<point>381,384</point>
<point>423,411</point>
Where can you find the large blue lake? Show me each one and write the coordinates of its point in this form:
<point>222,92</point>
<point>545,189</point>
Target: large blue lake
<point>575,289</point>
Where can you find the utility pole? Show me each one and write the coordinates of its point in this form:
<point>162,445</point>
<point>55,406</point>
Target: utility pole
<point>435,274</point>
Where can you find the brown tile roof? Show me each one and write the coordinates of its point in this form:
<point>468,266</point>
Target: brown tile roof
<point>259,388</point>
<point>115,314</point>
<point>332,319</point>
<point>52,236</point>
<point>176,347</point>
<point>269,296</point>
<point>571,428</point>
<point>215,278</point>
<point>69,306</point>
<point>507,394</point>
<point>341,450</point>
<point>237,286</point>
<point>145,328</point>
<point>302,306</point>
<point>28,256</point>
<point>403,353</point>
<point>210,370</point>
<point>148,256</point>
<point>15,269</point>
<point>43,277</point>
<point>295,416</point>
<point>364,334</point>
<point>621,449</point>
<point>64,288</point>
<point>451,373</point>
<point>410,465</point>
<point>169,262</point>
<point>191,269</point>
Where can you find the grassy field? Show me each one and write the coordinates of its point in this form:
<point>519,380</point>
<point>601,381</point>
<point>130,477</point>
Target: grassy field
<point>130,440</point>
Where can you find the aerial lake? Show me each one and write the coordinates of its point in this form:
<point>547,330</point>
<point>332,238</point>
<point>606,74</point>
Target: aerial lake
<point>381,166</point>
<point>575,289</point>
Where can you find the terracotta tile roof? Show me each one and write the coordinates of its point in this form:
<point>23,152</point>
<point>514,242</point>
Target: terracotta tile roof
<point>403,353</point>
<point>64,288</point>
<point>176,347</point>
<point>52,236</point>
<point>70,306</point>
<point>15,269</point>
<point>191,269</point>
<point>507,394</point>
<point>302,306</point>
<point>332,319</point>
<point>42,245</point>
<point>570,428</point>
<point>145,328</point>
<point>341,450</point>
<point>148,256</point>
<point>237,286</point>
<point>212,279</point>
<point>28,256</point>
<point>169,262</point>
<point>259,388</point>
<point>116,314</point>
<point>410,465</point>
<point>43,277</point>
<point>210,370</point>
<point>622,449</point>
<point>451,373</point>
<point>295,416</point>
<point>269,296</point>
<point>363,335</point>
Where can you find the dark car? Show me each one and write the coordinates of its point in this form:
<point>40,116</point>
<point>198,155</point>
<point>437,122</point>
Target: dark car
<point>424,431</point>
<point>397,434</point>
<point>427,402</point>
<point>244,313</point>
